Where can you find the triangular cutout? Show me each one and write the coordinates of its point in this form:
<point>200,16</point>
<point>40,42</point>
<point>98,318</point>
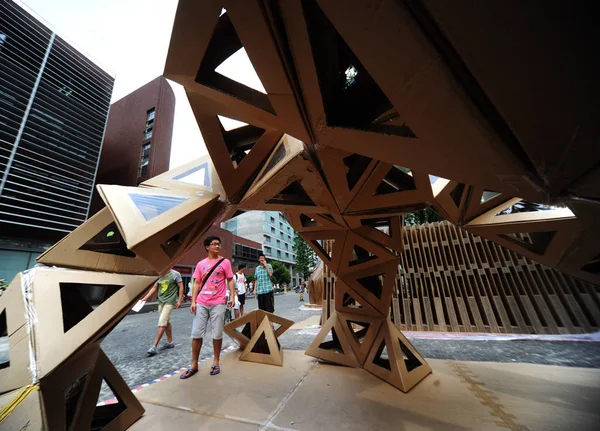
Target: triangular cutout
<point>240,141</point>
<point>78,300</point>
<point>398,179</point>
<point>330,254</point>
<point>361,338</point>
<point>197,175</point>
<point>225,52</point>
<point>174,244</point>
<point>4,341</point>
<point>356,165</point>
<point>336,348</point>
<point>480,201</point>
<point>375,285</point>
<point>450,199</point>
<point>350,302</point>
<point>351,97</point>
<point>309,222</point>
<point>524,206</point>
<point>536,242</point>
<point>242,329</point>
<point>488,195</point>
<point>292,195</point>
<point>360,254</point>
<point>386,231</point>
<point>73,397</point>
<point>283,323</point>
<point>403,367</point>
<point>457,194</point>
<point>111,407</point>
<point>593,266</point>
<point>151,206</point>
<point>96,245</point>
<point>263,347</point>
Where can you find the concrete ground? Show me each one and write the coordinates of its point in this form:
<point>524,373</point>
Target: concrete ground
<point>126,346</point>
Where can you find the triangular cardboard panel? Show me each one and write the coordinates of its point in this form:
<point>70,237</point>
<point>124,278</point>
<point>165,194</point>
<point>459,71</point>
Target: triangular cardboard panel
<point>405,366</point>
<point>52,345</point>
<point>360,254</point>
<point>213,43</point>
<point>263,346</point>
<point>450,199</point>
<point>199,175</point>
<point>96,245</point>
<point>481,201</point>
<point>337,351</point>
<point>238,154</point>
<point>384,229</point>
<point>294,184</point>
<point>242,337</point>
<point>549,233</point>
<point>284,324</point>
<point>152,239</point>
<point>345,173</point>
<point>78,300</point>
<point>351,302</point>
<point>375,285</point>
<point>302,222</point>
<point>361,340</point>
<point>337,247</point>
<point>28,414</point>
<point>389,187</point>
<point>351,97</point>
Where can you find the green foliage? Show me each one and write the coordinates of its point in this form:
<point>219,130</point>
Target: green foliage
<point>250,278</point>
<point>281,275</point>
<point>3,285</point>
<point>426,215</point>
<point>306,259</point>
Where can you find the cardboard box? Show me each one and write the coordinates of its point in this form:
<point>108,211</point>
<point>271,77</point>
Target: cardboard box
<point>96,245</point>
<point>159,224</point>
<point>27,413</point>
<point>65,311</point>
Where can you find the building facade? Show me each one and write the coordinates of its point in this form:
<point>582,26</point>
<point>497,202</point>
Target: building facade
<point>137,145</point>
<point>272,231</point>
<point>54,103</point>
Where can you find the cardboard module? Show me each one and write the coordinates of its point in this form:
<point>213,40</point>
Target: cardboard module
<point>160,225</point>
<point>384,229</point>
<point>65,311</point>
<point>66,398</point>
<point>302,222</point>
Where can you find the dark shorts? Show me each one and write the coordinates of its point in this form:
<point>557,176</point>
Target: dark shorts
<point>266,302</point>
<point>242,298</point>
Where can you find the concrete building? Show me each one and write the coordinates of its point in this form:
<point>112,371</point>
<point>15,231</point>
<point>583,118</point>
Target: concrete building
<point>54,103</point>
<point>137,145</point>
<point>272,231</point>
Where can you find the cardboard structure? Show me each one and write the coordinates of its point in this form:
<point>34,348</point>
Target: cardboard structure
<point>258,337</point>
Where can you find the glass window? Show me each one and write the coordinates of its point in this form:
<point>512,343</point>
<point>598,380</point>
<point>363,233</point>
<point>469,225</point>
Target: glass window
<point>144,160</point>
<point>154,205</point>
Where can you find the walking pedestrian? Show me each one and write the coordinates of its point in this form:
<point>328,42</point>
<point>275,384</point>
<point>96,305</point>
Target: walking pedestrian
<point>167,287</point>
<point>263,286</point>
<point>212,277</point>
<point>240,285</point>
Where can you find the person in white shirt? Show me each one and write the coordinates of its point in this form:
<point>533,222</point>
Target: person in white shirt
<point>240,286</point>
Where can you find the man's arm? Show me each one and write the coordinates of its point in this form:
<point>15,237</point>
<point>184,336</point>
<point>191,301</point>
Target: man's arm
<point>150,292</point>
<point>231,290</point>
<point>269,269</point>
<point>180,284</point>
<point>195,290</point>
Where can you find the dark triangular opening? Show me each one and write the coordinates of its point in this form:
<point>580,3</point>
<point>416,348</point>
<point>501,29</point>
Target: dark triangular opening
<point>525,207</point>
<point>360,255</point>
<point>488,195</point>
<point>381,358</point>
<point>381,224</point>
<point>294,194</point>
<point>247,330</point>
<point>391,123</point>
<point>356,165</point>
<point>351,97</point>
<point>319,246</point>
<point>373,283</point>
<point>240,141</point>
<point>536,242</point>
<point>332,342</point>
<point>276,326</point>
<point>398,179</point>
<point>410,360</point>
<point>198,175</point>
<point>278,156</point>
<point>358,334</point>
<point>4,342</point>
<point>307,221</point>
<point>328,217</point>
<point>593,266</point>
<point>223,44</point>
<point>173,244</point>
<point>151,206</point>
<point>80,299</point>
<point>108,241</point>
<point>72,397</point>
<point>261,346</point>
<point>348,301</point>
<point>104,415</point>
<point>457,193</point>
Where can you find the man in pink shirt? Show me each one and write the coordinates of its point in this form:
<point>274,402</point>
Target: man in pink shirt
<point>212,277</point>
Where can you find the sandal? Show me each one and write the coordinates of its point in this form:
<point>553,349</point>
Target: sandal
<point>188,373</point>
<point>214,370</point>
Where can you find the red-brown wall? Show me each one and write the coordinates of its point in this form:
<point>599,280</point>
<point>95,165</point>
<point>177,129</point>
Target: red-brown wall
<point>198,252</point>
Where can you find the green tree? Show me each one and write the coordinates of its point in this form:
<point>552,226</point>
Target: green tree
<point>306,259</point>
<point>281,275</point>
<point>426,215</point>
<point>250,278</point>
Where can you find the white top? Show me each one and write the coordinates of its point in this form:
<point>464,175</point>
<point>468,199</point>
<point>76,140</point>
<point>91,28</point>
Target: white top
<point>240,283</point>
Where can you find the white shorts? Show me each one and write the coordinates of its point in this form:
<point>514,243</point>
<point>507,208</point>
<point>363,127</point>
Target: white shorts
<point>204,313</point>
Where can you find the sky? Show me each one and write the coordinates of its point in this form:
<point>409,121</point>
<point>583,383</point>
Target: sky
<point>130,40</point>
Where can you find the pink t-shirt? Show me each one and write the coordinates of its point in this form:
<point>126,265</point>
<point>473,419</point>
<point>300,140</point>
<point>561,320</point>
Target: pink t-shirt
<point>215,288</point>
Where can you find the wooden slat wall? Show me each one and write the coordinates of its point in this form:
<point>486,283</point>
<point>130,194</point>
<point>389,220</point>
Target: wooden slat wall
<point>450,280</point>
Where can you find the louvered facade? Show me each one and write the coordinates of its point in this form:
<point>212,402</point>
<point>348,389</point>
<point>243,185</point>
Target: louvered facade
<point>53,108</point>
